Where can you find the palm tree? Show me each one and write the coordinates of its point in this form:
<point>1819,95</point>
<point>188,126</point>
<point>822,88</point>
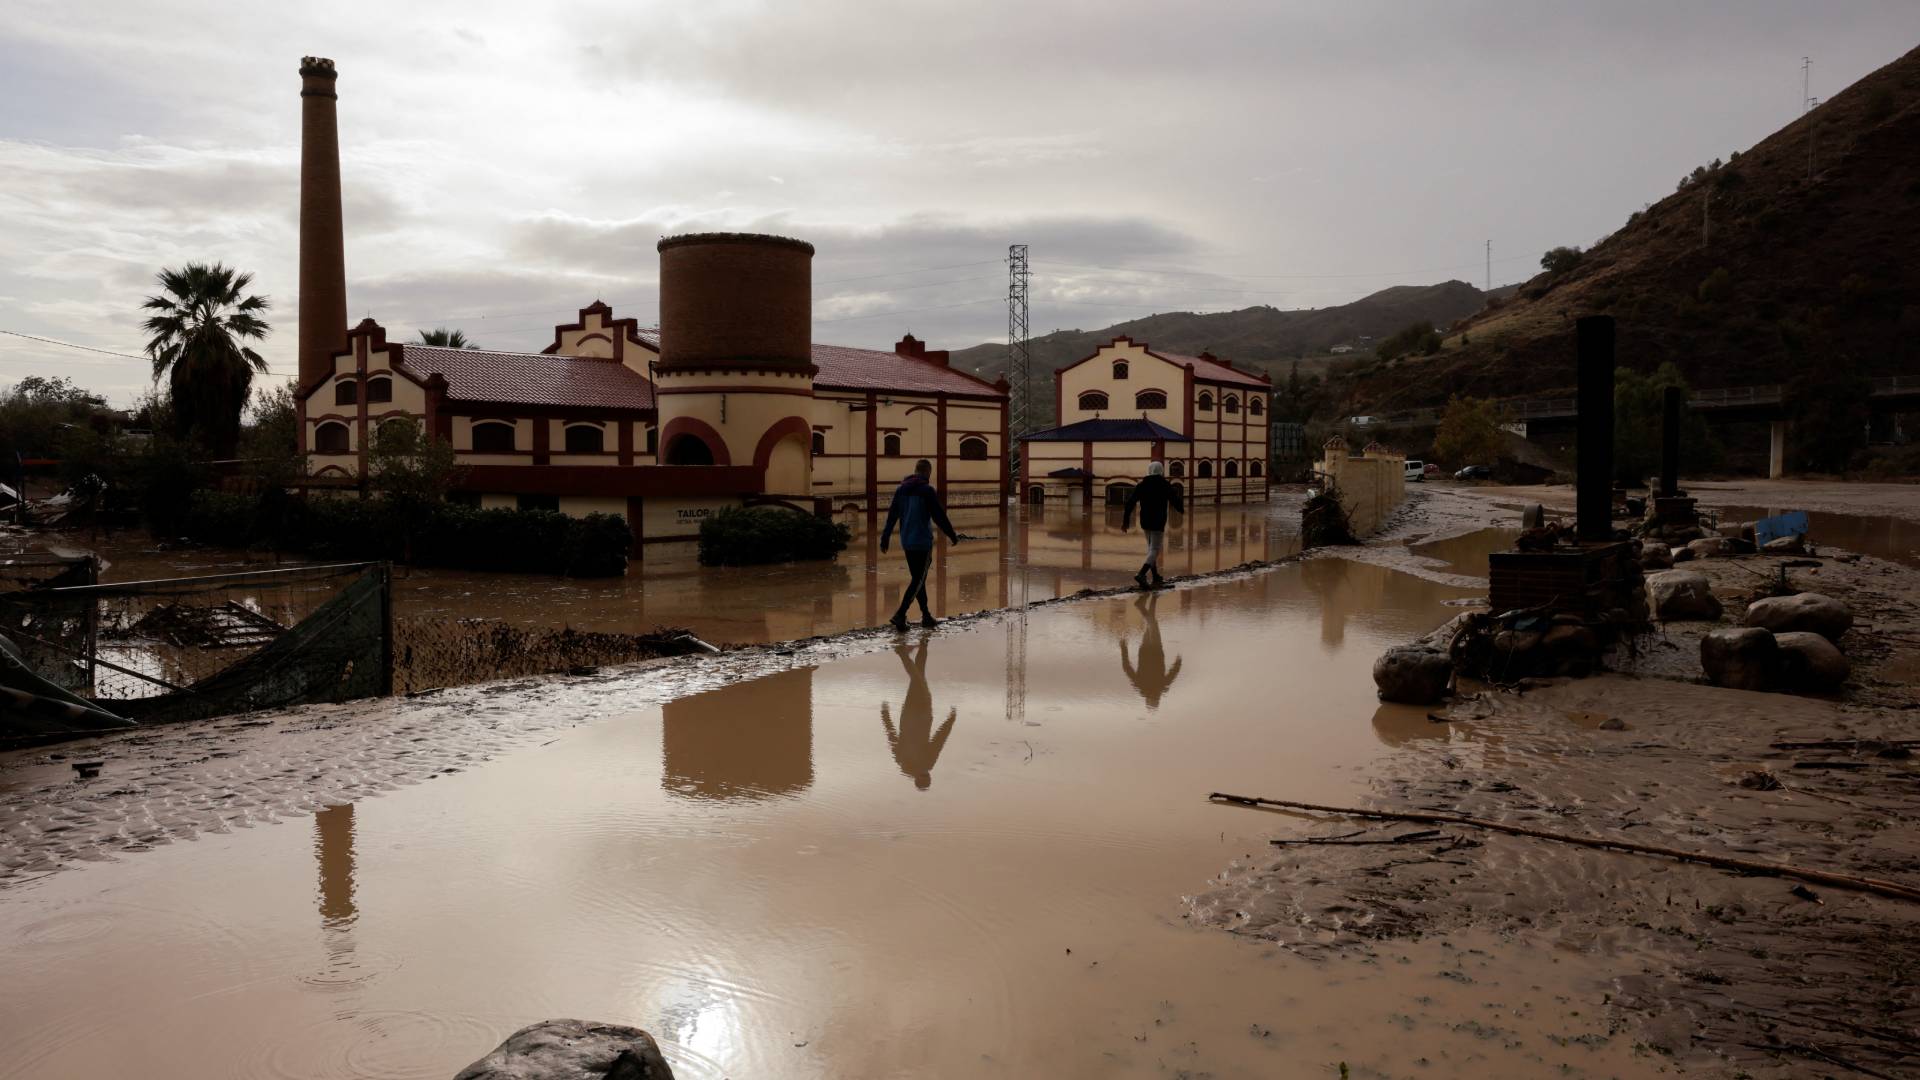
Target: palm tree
<point>445,338</point>
<point>199,321</point>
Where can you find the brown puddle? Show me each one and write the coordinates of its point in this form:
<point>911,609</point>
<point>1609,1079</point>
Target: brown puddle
<point>961,856</point>
<point>1890,538</point>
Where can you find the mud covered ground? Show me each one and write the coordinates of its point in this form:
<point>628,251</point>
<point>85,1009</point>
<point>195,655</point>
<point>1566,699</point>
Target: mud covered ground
<point>1718,973</point>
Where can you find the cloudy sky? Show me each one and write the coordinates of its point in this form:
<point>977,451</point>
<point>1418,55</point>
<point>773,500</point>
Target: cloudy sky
<point>505,164</point>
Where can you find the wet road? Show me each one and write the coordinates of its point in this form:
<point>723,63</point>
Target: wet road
<point>964,855</point>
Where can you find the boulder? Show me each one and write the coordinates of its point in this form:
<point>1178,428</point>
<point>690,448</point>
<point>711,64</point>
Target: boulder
<point>1682,595</point>
<point>1682,534</point>
<point>1810,662</point>
<point>1515,653</point>
<point>1681,554</point>
<point>572,1050</point>
<point>1571,649</point>
<point>1785,545</point>
<point>1656,557</point>
<point>1810,612</point>
<point>1412,674</point>
<point>1710,547</point>
<point>1744,658</point>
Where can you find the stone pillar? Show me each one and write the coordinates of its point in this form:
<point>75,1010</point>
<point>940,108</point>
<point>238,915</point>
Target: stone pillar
<point>1670,443</point>
<point>323,265</point>
<point>1593,498</point>
<point>1777,454</point>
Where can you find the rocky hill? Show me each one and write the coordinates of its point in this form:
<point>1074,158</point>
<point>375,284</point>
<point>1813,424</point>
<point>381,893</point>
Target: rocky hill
<point>1795,255</point>
<point>1261,339</point>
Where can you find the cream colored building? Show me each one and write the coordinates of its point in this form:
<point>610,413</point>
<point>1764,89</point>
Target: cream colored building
<point>1128,405</point>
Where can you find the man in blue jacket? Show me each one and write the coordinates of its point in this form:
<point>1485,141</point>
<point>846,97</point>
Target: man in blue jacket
<point>916,509</point>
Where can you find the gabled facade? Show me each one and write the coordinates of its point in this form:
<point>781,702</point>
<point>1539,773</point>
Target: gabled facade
<point>1128,405</point>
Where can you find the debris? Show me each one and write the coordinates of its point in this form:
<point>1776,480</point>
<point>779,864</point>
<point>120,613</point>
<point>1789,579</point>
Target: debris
<point>1760,780</point>
<point>1805,893</point>
<point>1792,524</point>
<point>1878,886</point>
<point>88,769</point>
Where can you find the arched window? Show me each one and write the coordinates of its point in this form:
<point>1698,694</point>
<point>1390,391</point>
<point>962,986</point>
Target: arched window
<point>973,448</point>
<point>688,449</point>
<point>1205,469</point>
<point>379,390</point>
<point>1119,369</point>
<point>586,439</point>
<point>346,392</point>
<point>819,443</point>
<point>1230,404</point>
<point>330,438</point>
<point>1256,406</point>
<point>1150,399</point>
<point>1093,399</point>
<point>1253,468</point>
<point>890,445</point>
<point>1176,468</point>
<point>1233,469</point>
<point>1206,401</point>
<point>493,437</point>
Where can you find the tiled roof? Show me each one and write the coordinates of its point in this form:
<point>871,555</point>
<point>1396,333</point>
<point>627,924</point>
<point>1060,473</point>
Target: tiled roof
<point>844,368</point>
<point>1204,368</point>
<point>1135,430</point>
<point>531,378</point>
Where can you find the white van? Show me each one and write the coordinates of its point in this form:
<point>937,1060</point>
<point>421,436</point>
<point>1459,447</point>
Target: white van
<point>1416,470</point>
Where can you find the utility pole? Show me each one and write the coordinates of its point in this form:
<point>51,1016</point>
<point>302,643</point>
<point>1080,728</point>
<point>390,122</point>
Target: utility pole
<point>1019,373</point>
<point>1807,102</point>
<point>1019,423</point>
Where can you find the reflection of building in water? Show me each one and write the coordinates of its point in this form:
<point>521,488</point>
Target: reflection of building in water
<point>751,740</point>
<point>333,847</point>
<point>1151,676</point>
<point>916,745</point>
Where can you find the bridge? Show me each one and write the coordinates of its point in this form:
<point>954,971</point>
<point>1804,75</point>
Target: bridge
<point>1893,393</point>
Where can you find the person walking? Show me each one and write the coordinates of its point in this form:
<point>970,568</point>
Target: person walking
<point>916,509</point>
<point>1153,496</point>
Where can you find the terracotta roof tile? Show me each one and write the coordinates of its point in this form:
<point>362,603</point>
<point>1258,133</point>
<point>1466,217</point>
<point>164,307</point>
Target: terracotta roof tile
<point>844,368</point>
<point>531,378</point>
<point>1133,430</point>
<point>1204,368</point>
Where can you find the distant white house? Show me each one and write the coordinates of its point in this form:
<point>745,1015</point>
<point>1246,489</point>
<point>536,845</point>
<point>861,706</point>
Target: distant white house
<point>1341,349</point>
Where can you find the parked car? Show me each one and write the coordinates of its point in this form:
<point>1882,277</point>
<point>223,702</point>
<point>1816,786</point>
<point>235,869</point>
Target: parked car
<point>1474,472</point>
<point>1434,469</point>
<point>1363,421</point>
<point>1416,470</point>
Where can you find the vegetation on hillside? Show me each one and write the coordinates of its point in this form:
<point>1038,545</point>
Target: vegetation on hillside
<point>1469,433</point>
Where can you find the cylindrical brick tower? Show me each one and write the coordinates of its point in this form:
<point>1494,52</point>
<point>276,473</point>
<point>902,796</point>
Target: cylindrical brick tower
<point>323,261</point>
<point>736,367</point>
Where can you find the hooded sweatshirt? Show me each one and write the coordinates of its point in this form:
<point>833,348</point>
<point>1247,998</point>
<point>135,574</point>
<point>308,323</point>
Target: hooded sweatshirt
<point>916,509</point>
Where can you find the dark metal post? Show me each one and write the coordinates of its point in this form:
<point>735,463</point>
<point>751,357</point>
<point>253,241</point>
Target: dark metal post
<point>385,570</point>
<point>1593,501</point>
<point>1670,444</point>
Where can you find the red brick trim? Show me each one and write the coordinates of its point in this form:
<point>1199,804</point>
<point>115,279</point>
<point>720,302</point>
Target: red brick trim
<point>699,429</point>
<point>791,425</point>
<point>637,480</point>
<point>734,388</point>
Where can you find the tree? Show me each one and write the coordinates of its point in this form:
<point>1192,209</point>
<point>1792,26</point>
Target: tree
<point>412,469</point>
<point>445,338</point>
<point>1419,337</point>
<point>199,322</point>
<point>270,440</point>
<point>1639,415</point>
<point>1561,259</point>
<point>1828,403</point>
<point>1469,432</point>
<point>35,412</point>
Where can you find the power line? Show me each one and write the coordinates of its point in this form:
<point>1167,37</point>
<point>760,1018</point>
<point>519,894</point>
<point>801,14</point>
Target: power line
<point>914,311</point>
<point>1176,272</point>
<point>71,345</point>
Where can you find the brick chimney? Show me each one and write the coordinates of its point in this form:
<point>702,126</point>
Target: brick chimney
<point>914,347</point>
<point>323,269</point>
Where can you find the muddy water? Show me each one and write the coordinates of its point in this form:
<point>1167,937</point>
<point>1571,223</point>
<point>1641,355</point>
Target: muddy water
<point>1060,551</point>
<point>1891,538</point>
<point>961,856</point>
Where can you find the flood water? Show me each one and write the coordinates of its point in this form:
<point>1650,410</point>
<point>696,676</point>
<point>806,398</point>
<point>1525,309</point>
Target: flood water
<point>1891,538</point>
<point>964,855</point>
<point>1060,551</point>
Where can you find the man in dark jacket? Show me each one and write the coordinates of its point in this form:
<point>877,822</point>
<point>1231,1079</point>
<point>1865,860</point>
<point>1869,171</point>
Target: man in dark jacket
<point>916,509</point>
<point>1152,495</point>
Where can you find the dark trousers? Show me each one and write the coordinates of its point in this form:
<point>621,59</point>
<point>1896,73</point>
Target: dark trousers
<point>918,563</point>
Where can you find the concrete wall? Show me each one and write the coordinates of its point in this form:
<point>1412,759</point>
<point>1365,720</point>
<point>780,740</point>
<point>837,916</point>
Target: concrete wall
<point>1370,484</point>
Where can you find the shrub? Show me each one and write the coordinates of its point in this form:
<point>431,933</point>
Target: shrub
<point>1716,287</point>
<point>747,536</point>
<point>1561,259</point>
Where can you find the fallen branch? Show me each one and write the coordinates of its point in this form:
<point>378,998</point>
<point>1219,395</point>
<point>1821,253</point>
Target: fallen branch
<point>1843,744</point>
<point>1347,841</point>
<point>1877,886</point>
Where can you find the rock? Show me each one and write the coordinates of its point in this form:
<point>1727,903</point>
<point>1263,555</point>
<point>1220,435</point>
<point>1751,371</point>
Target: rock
<point>1515,653</point>
<point>1810,662</point>
<point>572,1050</point>
<point>1682,534</point>
<point>1732,528</point>
<point>1785,545</point>
<point>1656,557</point>
<point>1681,596</point>
<point>1710,547</point>
<point>1613,723</point>
<point>1744,658</point>
<point>1681,554</point>
<point>1572,650</point>
<point>1412,674</point>
<point>1807,611</point>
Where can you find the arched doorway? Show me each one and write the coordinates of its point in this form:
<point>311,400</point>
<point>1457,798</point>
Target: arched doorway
<point>1036,494</point>
<point>688,449</point>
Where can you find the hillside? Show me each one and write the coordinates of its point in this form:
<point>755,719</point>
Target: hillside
<point>1262,339</point>
<point>1749,273</point>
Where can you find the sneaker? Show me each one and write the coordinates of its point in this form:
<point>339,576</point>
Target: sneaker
<point>929,621</point>
<point>898,622</point>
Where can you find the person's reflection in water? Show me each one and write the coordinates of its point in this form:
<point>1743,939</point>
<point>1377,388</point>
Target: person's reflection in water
<point>916,746</point>
<point>1152,677</point>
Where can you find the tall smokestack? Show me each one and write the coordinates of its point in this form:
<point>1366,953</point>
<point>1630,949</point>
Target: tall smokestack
<point>1593,500</point>
<point>323,260</point>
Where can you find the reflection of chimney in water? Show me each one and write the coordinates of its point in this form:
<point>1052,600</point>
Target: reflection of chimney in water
<point>333,847</point>
<point>1593,499</point>
<point>323,265</point>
